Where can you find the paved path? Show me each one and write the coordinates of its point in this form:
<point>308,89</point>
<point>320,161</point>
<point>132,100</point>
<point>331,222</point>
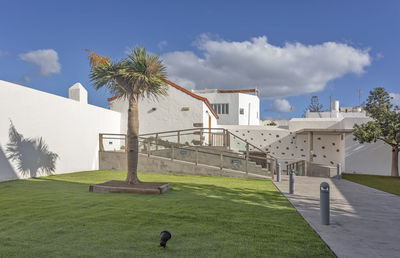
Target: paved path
<point>365,222</point>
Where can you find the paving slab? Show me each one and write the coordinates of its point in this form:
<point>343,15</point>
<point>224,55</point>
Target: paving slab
<point>364,222</point>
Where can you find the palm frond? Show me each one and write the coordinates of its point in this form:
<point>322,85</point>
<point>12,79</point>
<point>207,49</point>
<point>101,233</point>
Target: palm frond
<point>140,74</point>
<point>96,59</point>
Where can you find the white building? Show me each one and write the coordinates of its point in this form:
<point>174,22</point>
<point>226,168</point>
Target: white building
<point>180,109</point>
<point>337,112</point>
<point>70,128</point>
<point>234,107</point>
<point>326,139</point>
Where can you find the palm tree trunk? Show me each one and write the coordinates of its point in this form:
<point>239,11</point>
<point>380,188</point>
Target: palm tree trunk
<point>133,140</point>
<point>395,161</point>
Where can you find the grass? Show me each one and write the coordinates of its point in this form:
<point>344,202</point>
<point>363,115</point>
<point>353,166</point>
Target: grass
<point>387,184</point>
<point>208,217</point>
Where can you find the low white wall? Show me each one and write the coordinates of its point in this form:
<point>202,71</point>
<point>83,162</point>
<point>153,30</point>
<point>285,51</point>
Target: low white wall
<point>368,158</point>
<point>296,124</point>
<point>69,128</point>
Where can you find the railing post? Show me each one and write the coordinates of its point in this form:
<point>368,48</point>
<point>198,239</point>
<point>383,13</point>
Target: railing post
<point>224,139</point>
<point>156,141</point>
<point>221,161</point>
<point>101,147</point>
<point>196,155</point>
<point>228,139</point>
<point>201,137</point>
<point>172,152</point>
<point>209,137</point>
<point>148,149</point>
<point>247,158</point>
<point>126,143</point>
<point>179,137</point>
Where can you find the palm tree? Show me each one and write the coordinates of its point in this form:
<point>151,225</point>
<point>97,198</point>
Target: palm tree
<point>139,75</point>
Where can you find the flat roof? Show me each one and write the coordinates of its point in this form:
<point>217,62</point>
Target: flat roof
<point>324,130</point>
<point>227,91</point>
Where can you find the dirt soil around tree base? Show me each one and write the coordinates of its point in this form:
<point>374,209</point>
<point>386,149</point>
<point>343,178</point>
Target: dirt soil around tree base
<point>115,186</point>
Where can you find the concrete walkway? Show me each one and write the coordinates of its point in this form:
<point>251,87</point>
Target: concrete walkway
<point>365,222</point>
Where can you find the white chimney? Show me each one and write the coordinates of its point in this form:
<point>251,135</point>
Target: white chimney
<point>335,105</point>
<point>335,108</point>
<point>78,92</point>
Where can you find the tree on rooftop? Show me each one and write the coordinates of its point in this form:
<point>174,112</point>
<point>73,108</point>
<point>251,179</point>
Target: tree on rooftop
<point>315,106</point>
<point>137,76</point>
<point>385,125</point>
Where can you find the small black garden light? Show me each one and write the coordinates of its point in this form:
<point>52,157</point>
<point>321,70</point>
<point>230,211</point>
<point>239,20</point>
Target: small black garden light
<point>165,236</point>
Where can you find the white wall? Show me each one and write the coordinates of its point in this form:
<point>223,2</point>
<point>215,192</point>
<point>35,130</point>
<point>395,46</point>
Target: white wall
<point>236,101</point>
<point>296,124</point>
<point>252,116</point>
<point>328,148</point>
<point>225,98</point>
<point>329,114</point>
<point>69,128</point>
<point>287,145</point>
<point>168,114</point>
<point>206,112</point>
<point>368,158</point>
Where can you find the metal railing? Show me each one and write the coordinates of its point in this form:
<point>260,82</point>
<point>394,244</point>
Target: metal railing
<point>300,167</point>
<point>207,141</point>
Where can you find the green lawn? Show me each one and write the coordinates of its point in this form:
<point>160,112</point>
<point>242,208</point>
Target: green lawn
<point>207,216</point>
<point>384,183</point>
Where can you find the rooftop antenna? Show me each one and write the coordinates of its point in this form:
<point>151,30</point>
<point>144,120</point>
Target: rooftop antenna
<point>359,96</point>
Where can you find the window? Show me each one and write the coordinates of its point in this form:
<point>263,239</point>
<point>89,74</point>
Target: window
<point>221,108</point>
<point>242,111</point>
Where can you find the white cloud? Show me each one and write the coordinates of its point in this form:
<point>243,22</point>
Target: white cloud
<point>162,44</point>
<point>25,79</point>
<point>276,71</point>
<point>281,105</point>
<point>3,53</point>
<point>45,59</point>
<point>396,98</point>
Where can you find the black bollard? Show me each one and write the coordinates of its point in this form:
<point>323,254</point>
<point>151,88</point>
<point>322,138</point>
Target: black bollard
<point>339,171</point>
<point>291,181</point>
<point>324,203</point>
<point>278,172</point>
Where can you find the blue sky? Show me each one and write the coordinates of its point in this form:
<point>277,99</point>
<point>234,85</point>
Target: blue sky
<point>305,48</point>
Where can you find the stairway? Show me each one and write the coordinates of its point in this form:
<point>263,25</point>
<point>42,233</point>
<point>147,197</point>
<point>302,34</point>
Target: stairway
<point>200,150</point>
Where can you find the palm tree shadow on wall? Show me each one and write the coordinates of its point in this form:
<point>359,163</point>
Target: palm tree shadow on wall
<point>31,155</point>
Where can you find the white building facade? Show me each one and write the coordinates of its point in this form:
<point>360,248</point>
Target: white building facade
<point>325,140</point>
<point>234,107</point>
<point>338,112</point>
<point>70,128</point>
<point>180,109</point>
